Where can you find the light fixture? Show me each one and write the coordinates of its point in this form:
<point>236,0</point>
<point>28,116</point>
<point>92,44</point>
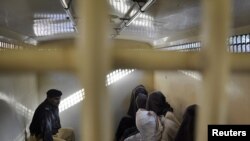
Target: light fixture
<point>64,4</point>
<point>147,4</point>
<point>142,9</point>
<point>71,18</point>
<point>133,18</point>
<point>126,23</point>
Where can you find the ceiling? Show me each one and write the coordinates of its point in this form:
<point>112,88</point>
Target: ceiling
<point>42,20</point>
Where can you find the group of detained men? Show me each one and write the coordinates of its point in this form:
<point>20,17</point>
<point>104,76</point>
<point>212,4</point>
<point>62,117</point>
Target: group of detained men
<point>149,118</point>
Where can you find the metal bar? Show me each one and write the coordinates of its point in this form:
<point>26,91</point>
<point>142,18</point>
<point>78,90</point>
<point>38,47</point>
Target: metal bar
<point>165,60</point>
<point>157,60</point>
<point>93,63</point>
<point>132,18</point>
<point>121,26</point>
<point>147,5</point>
<point>35,60</point>
<point>64,59</point>
<point>127,14</point>
<point>213,101</point>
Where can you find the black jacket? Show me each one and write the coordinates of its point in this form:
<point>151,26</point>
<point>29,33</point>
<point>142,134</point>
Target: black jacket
<point>45,122</point>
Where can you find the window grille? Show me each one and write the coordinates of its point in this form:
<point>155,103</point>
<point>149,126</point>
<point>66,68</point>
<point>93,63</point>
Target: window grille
<point>237,44</point>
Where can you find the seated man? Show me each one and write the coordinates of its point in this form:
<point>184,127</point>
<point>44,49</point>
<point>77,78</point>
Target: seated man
<point>45,125</point>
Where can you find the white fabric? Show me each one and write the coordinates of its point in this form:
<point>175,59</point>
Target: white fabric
<point>148,125</point>
<point>154,128</point>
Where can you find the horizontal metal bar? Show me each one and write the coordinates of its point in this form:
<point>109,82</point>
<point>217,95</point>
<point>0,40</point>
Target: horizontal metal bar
<point>157,60</point>
<point>166,60</point>
<point>35,60</point>
<point>63,59</point>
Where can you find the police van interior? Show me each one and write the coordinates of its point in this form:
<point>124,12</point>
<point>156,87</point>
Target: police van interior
<point>97,51</point>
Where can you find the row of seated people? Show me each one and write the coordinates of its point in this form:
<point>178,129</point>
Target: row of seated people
<point>150,118</point>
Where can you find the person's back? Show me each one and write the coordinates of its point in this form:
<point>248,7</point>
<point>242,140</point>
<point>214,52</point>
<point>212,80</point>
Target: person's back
<point>45,125</point>
<point>187,128</point>
<point>45,121</point>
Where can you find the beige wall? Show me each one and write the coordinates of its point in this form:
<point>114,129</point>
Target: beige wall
<point>239,103</point>
<point>181,90</point>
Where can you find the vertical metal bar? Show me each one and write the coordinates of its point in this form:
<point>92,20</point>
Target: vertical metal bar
<point>93,63</point>
<point>215,31</point>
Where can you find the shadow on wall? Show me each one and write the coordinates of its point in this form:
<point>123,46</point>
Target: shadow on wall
<point>11,128</point>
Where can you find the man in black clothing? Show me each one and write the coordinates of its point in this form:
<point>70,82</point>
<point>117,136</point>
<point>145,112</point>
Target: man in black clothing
<point>46,124</point>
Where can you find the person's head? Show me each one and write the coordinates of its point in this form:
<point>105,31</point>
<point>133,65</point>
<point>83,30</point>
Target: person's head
<point>132,107</point>
<point>157,103</point>
<point>54,96</point>
<point>139,89</point>
<point>141,100</point>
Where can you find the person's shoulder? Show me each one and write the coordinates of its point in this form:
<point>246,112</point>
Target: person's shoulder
<point>170,115</point>
<point>145,112</point>
<point>170,118</point>
<point>44,107</point>
<point>144,115</point>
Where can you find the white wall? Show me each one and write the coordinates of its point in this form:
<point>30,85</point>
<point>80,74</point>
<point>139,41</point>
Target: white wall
<point>18,95</point>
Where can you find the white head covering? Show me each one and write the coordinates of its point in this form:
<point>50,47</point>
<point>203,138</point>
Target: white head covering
<point>149,125</point>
